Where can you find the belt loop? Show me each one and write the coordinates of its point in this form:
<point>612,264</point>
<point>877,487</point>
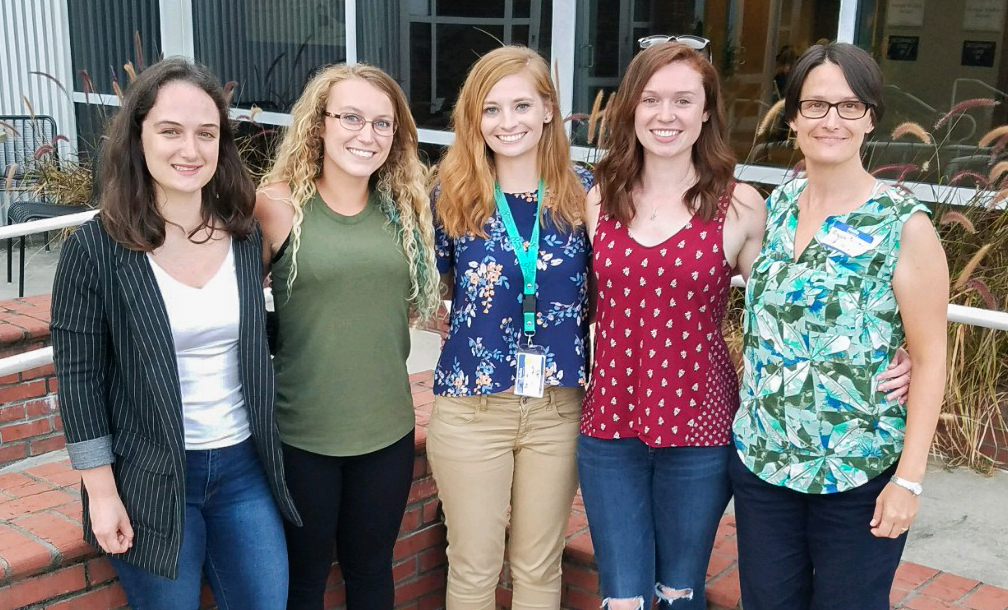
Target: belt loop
<point>483,402</point>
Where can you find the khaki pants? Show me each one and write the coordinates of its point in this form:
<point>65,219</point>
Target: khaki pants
<point>491,452</point>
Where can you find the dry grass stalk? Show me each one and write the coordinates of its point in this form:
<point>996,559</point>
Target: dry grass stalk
<point>958,217</point>
<point>769,118</point>
<point>992,135</point>
<point>130,72</point>
<point>913,129</point>
<point>998,171</point>
<point>967,271</point>
<point>596,113</point>
<point>962,107</point>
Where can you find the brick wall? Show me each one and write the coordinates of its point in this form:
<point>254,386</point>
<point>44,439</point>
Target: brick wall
<point>29,419</point>
<point>45,564</point>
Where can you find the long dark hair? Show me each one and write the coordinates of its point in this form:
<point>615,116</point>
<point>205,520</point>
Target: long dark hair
<point>619,170</point>
<point>128,208</point>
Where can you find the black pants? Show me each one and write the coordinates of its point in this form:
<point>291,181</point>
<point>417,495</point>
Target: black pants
<point>355,503</point>
<point>801,551</point>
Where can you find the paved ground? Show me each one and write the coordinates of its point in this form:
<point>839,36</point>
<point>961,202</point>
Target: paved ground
<point>962,527</point>
<point>40,267</point>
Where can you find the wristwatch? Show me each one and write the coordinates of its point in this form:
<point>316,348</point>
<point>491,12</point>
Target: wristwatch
<point>913,487</point>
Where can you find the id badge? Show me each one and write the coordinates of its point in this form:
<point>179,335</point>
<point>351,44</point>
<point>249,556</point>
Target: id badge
<point>530,376</point>
<point>848,240</point>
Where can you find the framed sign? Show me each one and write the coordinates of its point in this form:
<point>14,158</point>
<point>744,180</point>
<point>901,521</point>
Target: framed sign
<point>905,12</point>
<point>902,48</point>
<point>984,15</point>
<point>979,53</point>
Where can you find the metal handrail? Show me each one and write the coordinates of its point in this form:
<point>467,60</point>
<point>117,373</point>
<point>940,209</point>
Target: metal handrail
<point>10,365</point>
<point>46,224</point>
<point>997,320</point>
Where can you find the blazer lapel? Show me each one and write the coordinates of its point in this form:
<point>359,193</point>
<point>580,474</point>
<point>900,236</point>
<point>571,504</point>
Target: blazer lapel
<point>148,318</point>
<point>249,334</point>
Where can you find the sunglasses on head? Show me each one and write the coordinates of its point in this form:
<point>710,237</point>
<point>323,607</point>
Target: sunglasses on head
<point>697,43</point>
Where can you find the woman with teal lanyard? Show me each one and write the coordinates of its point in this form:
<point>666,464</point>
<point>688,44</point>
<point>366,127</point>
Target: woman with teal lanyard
<point>348,233</point>
<point>508,385</point>
<point>828,471</point>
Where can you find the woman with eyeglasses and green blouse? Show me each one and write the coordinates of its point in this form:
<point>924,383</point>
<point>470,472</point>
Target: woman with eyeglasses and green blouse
<point>828,470</point>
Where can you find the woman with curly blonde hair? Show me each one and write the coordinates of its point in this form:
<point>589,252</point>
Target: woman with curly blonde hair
<point>508,385</point>
<point>348,235</point>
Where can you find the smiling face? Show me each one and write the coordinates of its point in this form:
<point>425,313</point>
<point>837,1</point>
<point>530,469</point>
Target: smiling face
<point>356,154</point>
<point>180,139</point>
<point>830,139</point>
<point>513,116</point>
<point>670,114</point>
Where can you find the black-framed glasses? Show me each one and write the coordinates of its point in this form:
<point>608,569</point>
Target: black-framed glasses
<point>851,110</point>
<point>697,43</point>
<point>355,122</point>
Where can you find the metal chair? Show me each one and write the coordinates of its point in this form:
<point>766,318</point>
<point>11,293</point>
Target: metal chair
<point>19,159</point>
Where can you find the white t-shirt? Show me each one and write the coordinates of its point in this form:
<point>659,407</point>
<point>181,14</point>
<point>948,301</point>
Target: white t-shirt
<point>205,329</point>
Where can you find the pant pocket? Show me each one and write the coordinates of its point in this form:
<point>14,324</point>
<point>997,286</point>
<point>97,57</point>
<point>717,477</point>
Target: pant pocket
<point>456,410</point>
<point>567,403</point>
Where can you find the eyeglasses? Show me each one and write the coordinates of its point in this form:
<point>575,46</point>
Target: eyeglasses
<point>697,43</point>
<point>355,122</point>
<point>851,110</point>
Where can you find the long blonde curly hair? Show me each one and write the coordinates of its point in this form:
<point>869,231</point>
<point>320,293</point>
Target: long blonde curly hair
<point>467,174</point>
<point>400,182</point>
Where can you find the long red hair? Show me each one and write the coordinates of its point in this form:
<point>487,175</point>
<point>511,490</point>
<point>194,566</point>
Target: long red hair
<point>619,171</point>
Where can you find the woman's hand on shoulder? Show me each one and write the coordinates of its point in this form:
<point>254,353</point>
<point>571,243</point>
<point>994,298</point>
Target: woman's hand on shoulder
<point>275,213</point>
<point>745,225</point>
<point>593,207</point>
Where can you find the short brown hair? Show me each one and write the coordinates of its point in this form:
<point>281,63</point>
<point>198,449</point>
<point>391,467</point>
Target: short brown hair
<point>860,69</point>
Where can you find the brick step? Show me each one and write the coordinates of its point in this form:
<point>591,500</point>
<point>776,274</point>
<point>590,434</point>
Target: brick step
<point>44,563</point>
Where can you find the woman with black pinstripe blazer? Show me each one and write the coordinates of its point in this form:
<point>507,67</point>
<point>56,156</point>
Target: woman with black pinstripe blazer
<point>165,383</point>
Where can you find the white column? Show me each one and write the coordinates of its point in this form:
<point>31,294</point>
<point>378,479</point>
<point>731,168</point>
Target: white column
<point>848,21</point>
<point>562,52</point>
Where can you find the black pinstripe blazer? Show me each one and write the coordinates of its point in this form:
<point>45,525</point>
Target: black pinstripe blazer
<point>119,391</point>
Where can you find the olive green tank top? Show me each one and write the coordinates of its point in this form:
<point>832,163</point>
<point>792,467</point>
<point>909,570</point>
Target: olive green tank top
<point>343,339</point>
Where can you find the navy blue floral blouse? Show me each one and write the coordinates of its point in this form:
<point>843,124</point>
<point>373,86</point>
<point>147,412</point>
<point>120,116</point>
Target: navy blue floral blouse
<point>478,356</point>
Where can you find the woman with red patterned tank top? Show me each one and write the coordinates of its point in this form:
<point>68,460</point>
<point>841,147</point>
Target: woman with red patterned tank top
<point>669,226</point>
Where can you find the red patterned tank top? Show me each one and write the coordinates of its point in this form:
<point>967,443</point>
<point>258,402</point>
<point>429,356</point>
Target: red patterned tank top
<point>662,371</point>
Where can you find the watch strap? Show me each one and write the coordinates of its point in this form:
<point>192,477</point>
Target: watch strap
<point>913,487</point>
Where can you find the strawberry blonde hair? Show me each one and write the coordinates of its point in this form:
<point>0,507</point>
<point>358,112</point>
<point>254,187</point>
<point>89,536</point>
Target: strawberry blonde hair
<point>467,173</point>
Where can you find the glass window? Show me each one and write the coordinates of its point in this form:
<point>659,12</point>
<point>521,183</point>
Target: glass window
<point>937,58</point>
<point>750,43</point>
<point>270,48</point>
<point>106,35</point>
<point>428,46</point>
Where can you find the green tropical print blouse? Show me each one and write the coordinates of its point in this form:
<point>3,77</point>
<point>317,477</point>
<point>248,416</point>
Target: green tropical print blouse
<point>817,333</point>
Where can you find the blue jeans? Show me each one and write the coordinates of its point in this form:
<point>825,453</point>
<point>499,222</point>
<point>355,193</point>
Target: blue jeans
<point>233,534</point>
<point>653,514</point>
<point>801,551</point>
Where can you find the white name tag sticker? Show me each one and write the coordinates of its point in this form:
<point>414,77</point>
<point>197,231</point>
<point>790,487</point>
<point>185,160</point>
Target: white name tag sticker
<point>530,375</point>
<point>846,239</point>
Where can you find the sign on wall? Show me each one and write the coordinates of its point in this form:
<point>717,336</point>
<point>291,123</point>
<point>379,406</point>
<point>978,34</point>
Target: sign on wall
<point>903,48</point>
<point>984,15</point>
<point>908,13</point>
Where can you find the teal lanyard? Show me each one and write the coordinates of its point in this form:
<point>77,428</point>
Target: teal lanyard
<point>527,257</point>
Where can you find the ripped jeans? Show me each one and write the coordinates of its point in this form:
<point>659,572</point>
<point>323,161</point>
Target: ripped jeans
<point>653,514</point>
